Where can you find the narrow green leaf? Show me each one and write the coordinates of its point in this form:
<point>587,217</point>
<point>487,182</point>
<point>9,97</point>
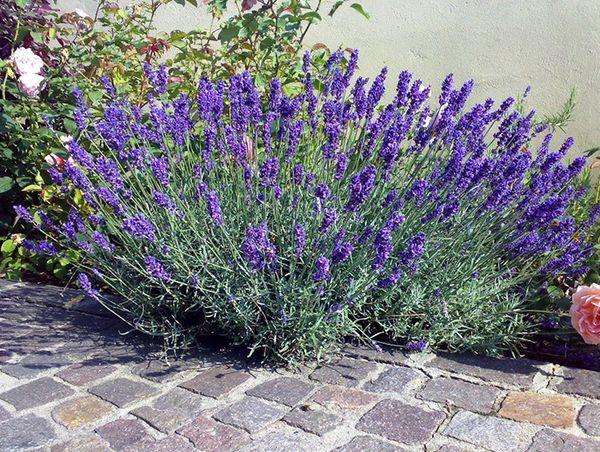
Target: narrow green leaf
<point>359,8</point>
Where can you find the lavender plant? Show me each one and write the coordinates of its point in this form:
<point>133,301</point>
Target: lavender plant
<point>292,223</point>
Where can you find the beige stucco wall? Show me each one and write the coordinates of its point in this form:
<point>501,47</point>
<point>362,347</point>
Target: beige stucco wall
<point>504,45</point>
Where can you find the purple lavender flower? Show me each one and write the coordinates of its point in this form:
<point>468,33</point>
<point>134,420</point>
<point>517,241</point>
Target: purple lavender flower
<point>322,192</point>
<point>156,269</point>
<point>298,174</point>
<point>361,186</point>
<point>160,168</point>
<point>102,241</point>
<point>321,272</point>
<point>157,77</point>
<point>417,346</point>
<point>86,285</point>
<point>258,251</point>
<point>163,200</point>
<point>42,247</point>
<point>23,214</point>
<point>330,216</point>
<point>269,171</point>
<point>213,207</point>
<point>415,247</point>
<point>341,252</point>
<point>140,227</point>
<point>299,239</point>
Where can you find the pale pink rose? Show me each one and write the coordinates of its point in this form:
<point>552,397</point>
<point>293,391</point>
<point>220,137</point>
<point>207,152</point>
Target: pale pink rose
<point>58,161</point>
<point>585,313</point>
<point>27,62</point>
<point>66,139</point>
<point>31,84</point>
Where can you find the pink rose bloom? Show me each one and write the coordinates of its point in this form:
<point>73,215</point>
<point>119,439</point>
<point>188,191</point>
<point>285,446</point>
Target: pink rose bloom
<point>27,62</point>
<point>31,84</point>
<point>585,313</point>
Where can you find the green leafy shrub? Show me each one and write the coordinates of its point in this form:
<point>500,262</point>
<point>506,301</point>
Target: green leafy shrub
<point>292,222</point>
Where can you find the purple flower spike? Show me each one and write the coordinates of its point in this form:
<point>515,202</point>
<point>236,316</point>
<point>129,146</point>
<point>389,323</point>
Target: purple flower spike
<point>321,272</point>
<point>86,285</point>
<point>156,269</point>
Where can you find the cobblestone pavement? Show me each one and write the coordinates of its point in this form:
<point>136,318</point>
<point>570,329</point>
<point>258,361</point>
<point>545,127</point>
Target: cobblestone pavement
<point>71,381</point>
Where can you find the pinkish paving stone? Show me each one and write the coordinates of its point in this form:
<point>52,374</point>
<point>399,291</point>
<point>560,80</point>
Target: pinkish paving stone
<point>35,363</point>
<point>167,421</point>
<point>4,415</point>
<point>400,422</point>
<point>216,381</point>
<point>284,441</point>
<point>122,391</point>
<point>26,432</point>
<point>212,436</point>
<point>387,355</point>
<point>123,433</point>
<point>581,382</point>
<point>76,413</point>
<point>161,372</point>
<point>86,372</point>
<point>343,398</point>
<point>36,393</point>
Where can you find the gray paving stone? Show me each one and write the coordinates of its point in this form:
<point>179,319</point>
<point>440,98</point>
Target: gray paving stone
<point>589,419</point>
<point>397,421</point>
<point>216,381</point>
<point>34,364</point>
<point>345,371</point>
<point>81,374</point>
<point>211,436</point>
<point>387,355</point>
<point>365,443</point>
<point>393,379</point>
<point>250,414</point>
<point>36,393</point>
<point>25,432</point>
<point>550,440</point>
<point>311,420</point>
<point>159,371</point>
<point>122,391</point>
<point>282,441</point>
<point>173,443</point>
<point>581,382</point>
<point>123,433</point>
<point>4,415</point>
<point>460,393</point>
<point>87,443</point>
<point>180,399</point>
<point>286,390</point>
<point>489,432</point>
<point>518,372</point>
<point>6,355</point>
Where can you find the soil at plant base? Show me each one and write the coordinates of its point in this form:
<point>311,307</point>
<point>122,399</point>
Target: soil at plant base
<point>565,349</point>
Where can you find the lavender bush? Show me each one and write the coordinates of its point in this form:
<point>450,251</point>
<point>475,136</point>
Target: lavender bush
<point>291,223</point>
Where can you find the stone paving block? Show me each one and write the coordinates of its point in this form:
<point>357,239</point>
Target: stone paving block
<point>250,413</point>
<point>346,372</point>
<point>452,448</point>
<point>82,411</point>
<point>286,390</point>
<point>397,421</point>
<point>489,432</point>
<point>36,393</point>
<point>159,371</point>
<point>25,432</point>
<point>209,435</point>
<point>87,443</point>
<point>123,433</point>
<point>283,441</point>
<point>311,420</point>
<point>365,443</point>
<point>4,415</point>
<point>122,391</point>
<point>386,355</point>
<point>81,374</point>
<point>518,372</point>
<point>589,419</point>
<point>34,364</point>
<point>6,355</point>
<point>552,441</point>
<point>180,399</point>
<point>462,394</point>
<point>393,379</point>
<point>581,382</point>
<point>216,381</point>
<point>343,398</point>
<point>173,443</point>
<point>167,421</point>
<point>543,409</point>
